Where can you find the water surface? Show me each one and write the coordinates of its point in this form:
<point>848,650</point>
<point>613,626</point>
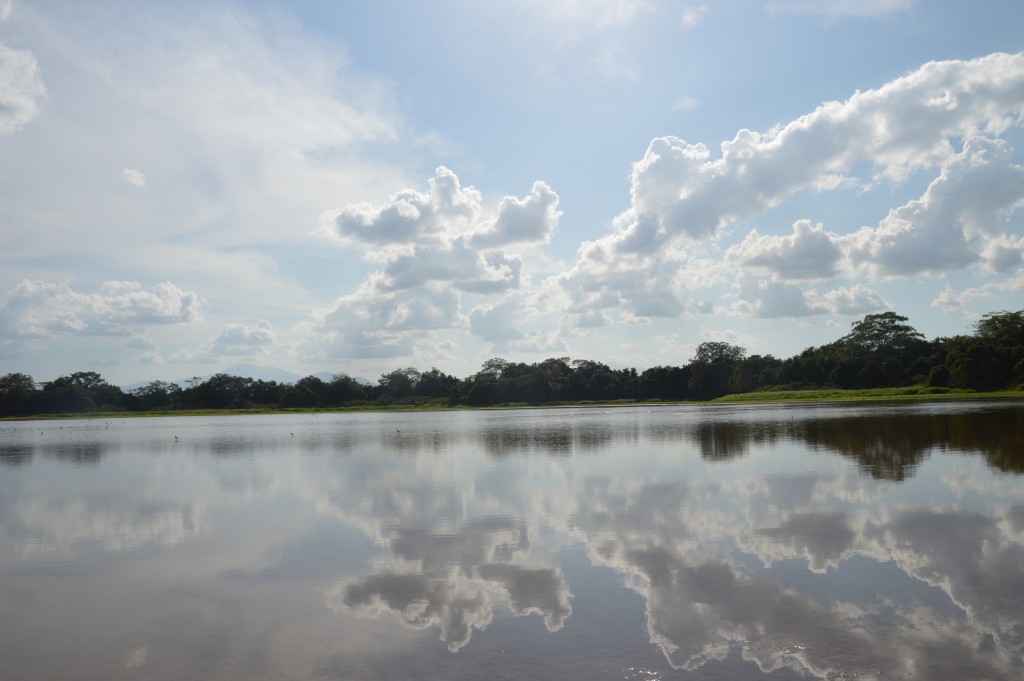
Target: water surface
<point>781,542</point>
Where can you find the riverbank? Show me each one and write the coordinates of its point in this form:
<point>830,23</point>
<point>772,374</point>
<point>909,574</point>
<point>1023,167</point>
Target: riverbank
<point>767,397</point>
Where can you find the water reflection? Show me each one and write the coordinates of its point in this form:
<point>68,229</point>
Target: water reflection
<point>789,542</point>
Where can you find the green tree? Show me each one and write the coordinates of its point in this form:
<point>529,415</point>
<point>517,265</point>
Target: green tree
<point>81,391</point>
<point>399,383</point>
<point>16,394</point>
<point>154,395</point>
<point>711,367</point>
<point>344,388</point>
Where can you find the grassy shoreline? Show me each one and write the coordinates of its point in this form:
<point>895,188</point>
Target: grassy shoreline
<point>768,397</point>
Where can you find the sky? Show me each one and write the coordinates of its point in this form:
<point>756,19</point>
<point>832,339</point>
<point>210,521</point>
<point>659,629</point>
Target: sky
<point>358,187</point>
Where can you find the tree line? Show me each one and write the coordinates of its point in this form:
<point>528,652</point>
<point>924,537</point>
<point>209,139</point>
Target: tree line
<point>881,350</point>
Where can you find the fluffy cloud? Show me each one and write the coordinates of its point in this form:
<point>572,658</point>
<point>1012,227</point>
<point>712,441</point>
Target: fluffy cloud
<point>528,220</point>
<point>239,339</point>
<point>371,323</point>
<point>38,308</point>
<point>432,245</point>
<point>21,86</point>
<point>446,212</point>
<point>454,263</point>
<point>947,228</point>
<point>771,299</point>
<point>409,216</point>
<point>683,198</point>
<point>679,190</point>
<point>809,253</point>
<point>855,300</point>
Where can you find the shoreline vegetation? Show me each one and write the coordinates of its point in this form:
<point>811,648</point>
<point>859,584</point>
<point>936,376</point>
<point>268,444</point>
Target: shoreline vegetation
<point>881,358</point>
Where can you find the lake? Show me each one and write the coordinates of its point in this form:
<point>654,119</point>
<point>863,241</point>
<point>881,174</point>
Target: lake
<point>874,541</point>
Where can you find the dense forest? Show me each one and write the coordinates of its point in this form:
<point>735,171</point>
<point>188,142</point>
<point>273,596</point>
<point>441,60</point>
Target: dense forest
<point>881,350</point>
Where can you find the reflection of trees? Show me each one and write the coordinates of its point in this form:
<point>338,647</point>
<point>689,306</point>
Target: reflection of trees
<point>887,447</point>
<point>997,434</point>
<point>559,439</point>
<point>892,446</point>
<point>15,455</point>
<point>723,440</point>
<point>88,454</point>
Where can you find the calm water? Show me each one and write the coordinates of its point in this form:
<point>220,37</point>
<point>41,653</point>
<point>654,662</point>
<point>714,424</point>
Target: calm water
<point>774,542</point>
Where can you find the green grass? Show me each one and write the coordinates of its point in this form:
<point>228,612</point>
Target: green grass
<point>838,394</point>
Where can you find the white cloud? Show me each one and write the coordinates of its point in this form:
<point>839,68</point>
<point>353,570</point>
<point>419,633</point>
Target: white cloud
<point>496,322</point>
<point>21,87</point>
<point>529,220</point>
<point>854,300</point>
<point>431,245</point>
<point>371,323</point>
<point>692,16</point>
<point>456,264</point>
<point>770,299</point>
<point>809,253</point>
<point>5,9</point>
<point>242,340</point>
<point>679,190</point>
<point>409,216</point>
<point>945,229</point>
<point>41,309</point>
<point>683,197</point>
<point>957,302</point>
<point>133,176</point>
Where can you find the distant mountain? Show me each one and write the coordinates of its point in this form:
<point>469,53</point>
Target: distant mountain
<point>261,373</point>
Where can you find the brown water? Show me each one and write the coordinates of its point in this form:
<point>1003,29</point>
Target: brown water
<point>777,542</point>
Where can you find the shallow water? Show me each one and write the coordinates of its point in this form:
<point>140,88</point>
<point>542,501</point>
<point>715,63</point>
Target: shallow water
<point>783,542</point>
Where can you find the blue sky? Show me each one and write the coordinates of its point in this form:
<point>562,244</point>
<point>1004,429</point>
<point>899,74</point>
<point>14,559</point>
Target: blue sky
<point>357,187</point>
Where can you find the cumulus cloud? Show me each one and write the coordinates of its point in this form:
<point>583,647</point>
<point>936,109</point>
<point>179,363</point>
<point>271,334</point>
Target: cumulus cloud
<point>679,190</point>
<point>239,339</point>
<point>947,228</point>
<point>409,216</point>
<point>684,197</point>
<point>454,263</point>
<point>433,246</point>
<point>809,253</point>
<point>854,300</point>
<point>496,322</point>
<point>38,308</point>
<point>371,323</point>
<point>528,220</point>
<point>771,299</point>
<point>5,9</point>
<point>21,86</point>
